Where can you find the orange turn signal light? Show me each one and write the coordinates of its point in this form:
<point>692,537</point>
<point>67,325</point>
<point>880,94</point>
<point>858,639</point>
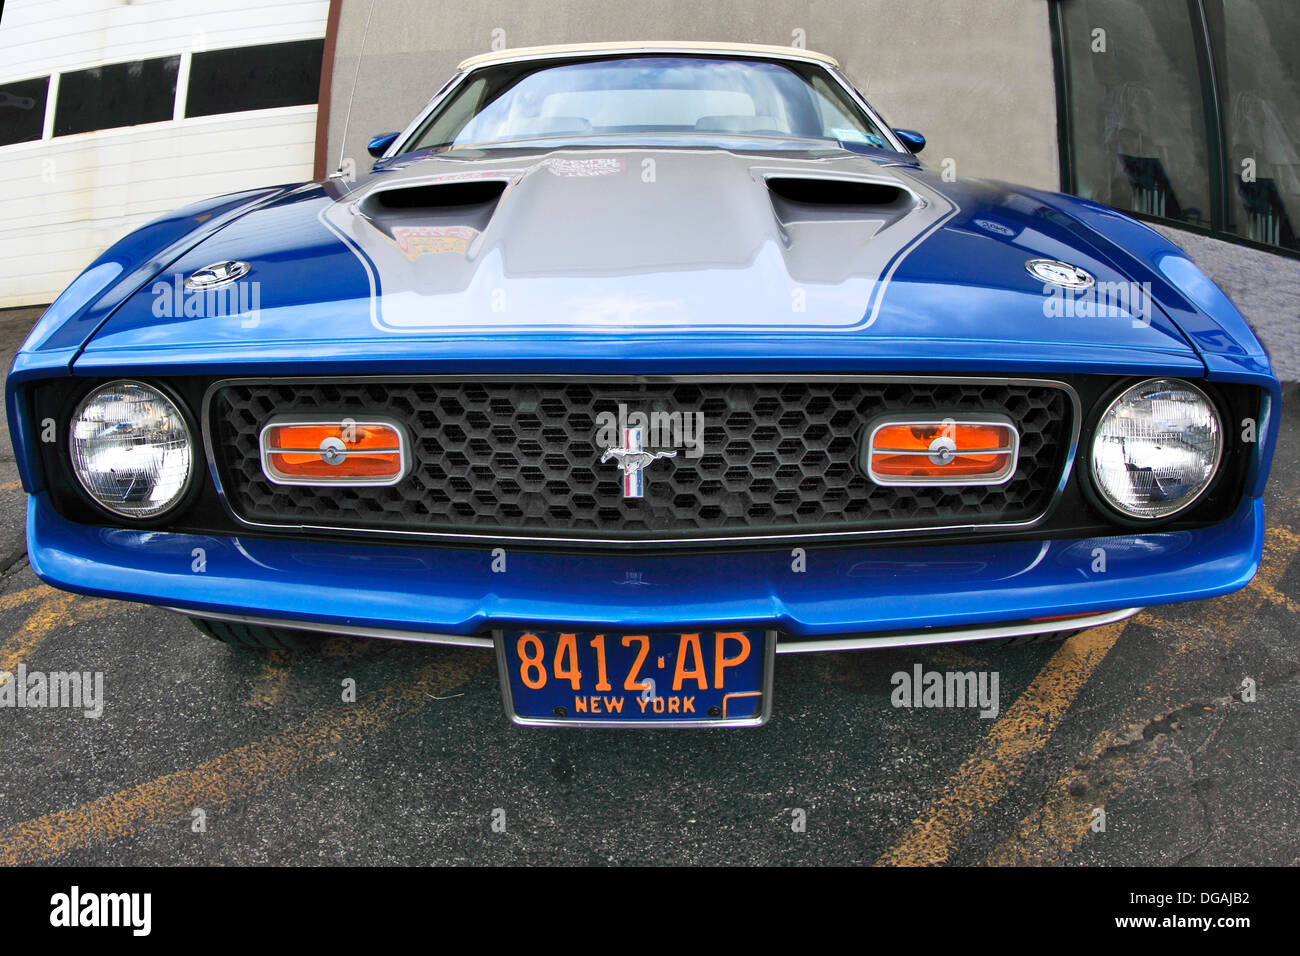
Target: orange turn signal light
<point>336,452</point>
<point>942,451</point>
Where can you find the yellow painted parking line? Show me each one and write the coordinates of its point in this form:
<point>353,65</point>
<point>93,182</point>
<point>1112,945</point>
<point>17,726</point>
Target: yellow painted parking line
<point>269,686</point>
<point>26,596</point>
<point>1282,536</point>
<point>11,485</point>
<point>58,609</point>
<point>239,773</point>
<point>1022,730</point>
<point>1049,834</point>
<point>1273,596</point>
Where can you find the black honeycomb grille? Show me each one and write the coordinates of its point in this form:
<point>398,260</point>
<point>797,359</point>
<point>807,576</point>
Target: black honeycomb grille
<point>521,458</point>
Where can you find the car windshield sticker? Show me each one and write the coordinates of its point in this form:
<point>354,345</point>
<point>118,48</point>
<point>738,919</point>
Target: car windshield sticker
<point>857,136</point>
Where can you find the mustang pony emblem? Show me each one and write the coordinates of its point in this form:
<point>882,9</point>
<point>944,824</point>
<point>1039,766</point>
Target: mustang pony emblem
<point>632,459</point>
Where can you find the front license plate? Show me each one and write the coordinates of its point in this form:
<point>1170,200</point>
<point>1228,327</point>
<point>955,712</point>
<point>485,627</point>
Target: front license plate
<point>605,679</point>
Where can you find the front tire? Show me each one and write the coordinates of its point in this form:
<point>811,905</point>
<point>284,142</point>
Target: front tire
<point>255,636</point>
<point>1025,640</point>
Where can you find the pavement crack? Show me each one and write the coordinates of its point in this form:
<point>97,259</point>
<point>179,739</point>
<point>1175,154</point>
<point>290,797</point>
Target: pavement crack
<point>1093,775</point>
<point>1197,783</point>
<point>12,564</point>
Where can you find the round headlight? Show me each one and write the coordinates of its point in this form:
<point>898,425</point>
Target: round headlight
<point>131,449</point>
<point>1156,448</point>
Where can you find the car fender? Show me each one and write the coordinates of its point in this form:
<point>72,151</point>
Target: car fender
<point>125,267</point>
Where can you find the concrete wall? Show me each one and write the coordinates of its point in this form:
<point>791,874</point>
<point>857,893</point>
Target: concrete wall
<point>975,76</point>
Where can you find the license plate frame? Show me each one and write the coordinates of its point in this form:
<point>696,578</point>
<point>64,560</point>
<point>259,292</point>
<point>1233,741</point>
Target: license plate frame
<point>504,638</point>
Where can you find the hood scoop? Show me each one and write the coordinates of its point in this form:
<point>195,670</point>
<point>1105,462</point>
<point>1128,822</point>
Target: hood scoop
<point>832,226</point>
<point>798,200</point>
<point>465,205</point>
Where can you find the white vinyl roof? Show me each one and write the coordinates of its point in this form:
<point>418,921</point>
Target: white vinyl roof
<point>667,46</point>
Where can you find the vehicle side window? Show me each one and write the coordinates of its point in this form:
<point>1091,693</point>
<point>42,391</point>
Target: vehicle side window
<point>838,121</point>
<point>450,119</point>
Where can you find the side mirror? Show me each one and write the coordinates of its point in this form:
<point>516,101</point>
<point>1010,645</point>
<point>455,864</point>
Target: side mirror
<point>379,145</point>
<point>913,140</point>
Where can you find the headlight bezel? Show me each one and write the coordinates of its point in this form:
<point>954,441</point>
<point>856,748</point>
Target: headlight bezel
<point>192,485</point>
<point>1088,480</point>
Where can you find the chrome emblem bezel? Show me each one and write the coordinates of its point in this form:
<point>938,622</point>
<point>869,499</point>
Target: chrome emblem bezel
<point>1056,272</point>
<point>217,274</point>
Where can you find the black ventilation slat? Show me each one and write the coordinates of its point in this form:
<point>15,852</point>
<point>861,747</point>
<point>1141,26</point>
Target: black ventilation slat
<point>835,192</point>
<point>436,195</point>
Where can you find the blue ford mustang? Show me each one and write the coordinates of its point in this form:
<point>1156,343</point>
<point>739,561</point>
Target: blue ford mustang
<point>639,364</point>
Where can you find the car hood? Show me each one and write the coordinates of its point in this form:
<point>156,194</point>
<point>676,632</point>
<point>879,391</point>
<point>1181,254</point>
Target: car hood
<point>820,258</point>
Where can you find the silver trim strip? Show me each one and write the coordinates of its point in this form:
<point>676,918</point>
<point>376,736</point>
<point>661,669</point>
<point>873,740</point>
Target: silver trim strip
<point>343,630</point>
<point>757,51</point>
<point>632,543</point>
<point>953,635</point>
<point>790,645</point>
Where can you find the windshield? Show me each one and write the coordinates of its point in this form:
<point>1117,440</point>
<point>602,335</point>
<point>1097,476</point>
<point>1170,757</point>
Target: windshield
<point>653,95</point>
